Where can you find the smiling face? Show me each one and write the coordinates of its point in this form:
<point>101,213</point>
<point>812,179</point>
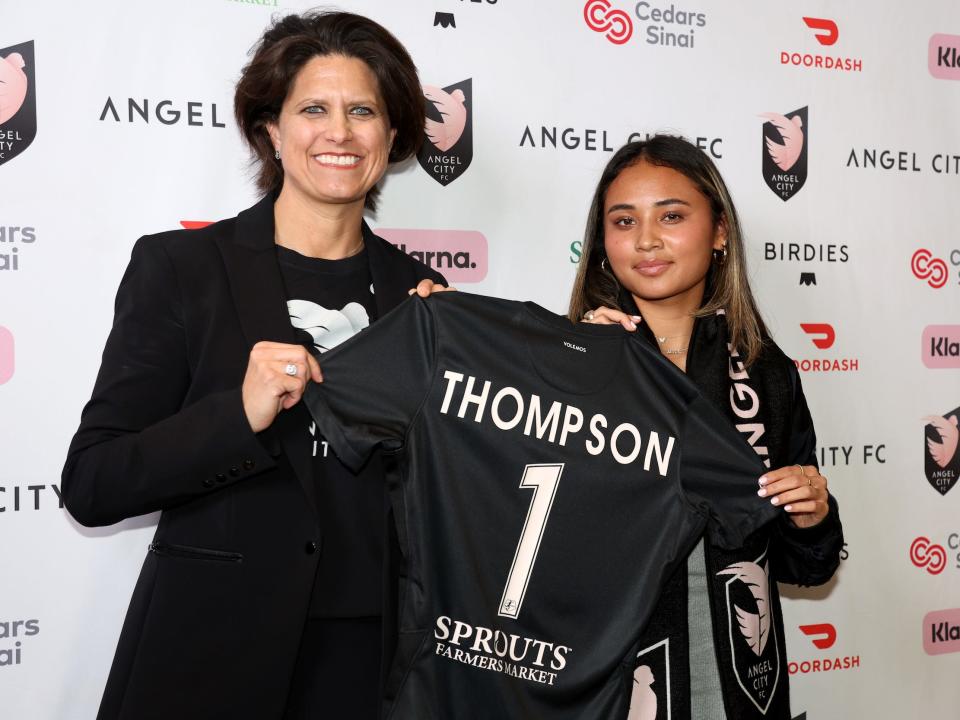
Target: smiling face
<point>333,133</point>
<point>659,235</point>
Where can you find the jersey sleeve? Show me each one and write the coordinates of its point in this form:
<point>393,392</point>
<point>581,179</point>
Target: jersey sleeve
<point>719,474</point>
<point>375,382</point>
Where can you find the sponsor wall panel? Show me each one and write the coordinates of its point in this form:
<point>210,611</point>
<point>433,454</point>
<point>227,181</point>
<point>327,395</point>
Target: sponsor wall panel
<point>856,265</point>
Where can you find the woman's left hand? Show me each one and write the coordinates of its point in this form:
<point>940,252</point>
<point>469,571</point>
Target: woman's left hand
<point>800,490</point>
<point>426,288</point>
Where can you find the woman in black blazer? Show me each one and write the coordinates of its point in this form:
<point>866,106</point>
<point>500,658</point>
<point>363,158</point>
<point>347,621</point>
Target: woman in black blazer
<point>265,591</point>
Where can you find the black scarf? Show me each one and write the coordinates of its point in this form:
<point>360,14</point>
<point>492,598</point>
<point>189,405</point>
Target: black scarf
<point>744,602</point>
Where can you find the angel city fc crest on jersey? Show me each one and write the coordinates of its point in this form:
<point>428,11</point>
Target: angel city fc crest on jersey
<point>18,100</point>
<point>941,458</point>
<point>447,147</point>
<point>785,139</point>
<point>752,633</point>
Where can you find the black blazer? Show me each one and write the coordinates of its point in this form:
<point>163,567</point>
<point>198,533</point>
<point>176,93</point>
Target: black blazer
<point>215,621</point>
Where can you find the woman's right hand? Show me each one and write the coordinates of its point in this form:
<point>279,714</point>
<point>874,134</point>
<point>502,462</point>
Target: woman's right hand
<point>268,387</point>
<point>609,316</point>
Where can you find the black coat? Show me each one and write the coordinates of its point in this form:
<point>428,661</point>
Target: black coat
<point>215,620</point>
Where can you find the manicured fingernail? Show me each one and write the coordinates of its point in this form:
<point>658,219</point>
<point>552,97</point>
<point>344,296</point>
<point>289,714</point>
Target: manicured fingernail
<point>762,492</point>
<point>775,500</point>
<point>411,291</point>
<point>632,326</point>
<point>788,508</point>
<point>763,481</point>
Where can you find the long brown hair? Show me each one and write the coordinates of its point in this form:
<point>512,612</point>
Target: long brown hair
<point>596,286</point>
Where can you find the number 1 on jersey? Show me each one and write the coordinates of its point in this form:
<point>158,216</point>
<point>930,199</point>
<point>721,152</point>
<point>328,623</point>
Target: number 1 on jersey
<point>544,480</point>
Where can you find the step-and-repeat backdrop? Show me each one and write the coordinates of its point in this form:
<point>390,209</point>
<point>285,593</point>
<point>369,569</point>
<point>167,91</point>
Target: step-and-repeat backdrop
<point>115,121</point>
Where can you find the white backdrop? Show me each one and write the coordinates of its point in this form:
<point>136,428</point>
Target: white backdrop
<point>93,181</point>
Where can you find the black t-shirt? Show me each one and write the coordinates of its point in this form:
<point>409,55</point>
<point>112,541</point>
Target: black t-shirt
<point>329,301</point>
<point>551,476</point>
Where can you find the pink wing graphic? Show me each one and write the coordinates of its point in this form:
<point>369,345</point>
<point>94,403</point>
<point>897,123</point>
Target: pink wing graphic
<point>785,156</point>
<point>942,452</point>
<point>445,134</point>
<point>755,627</point>
<point>13,86</point>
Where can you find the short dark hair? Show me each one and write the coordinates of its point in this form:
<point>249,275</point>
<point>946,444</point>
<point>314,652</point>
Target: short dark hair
<point>292,41</point>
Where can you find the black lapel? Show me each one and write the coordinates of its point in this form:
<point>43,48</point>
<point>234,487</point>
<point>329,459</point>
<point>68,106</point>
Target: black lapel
<point>391,280</point>
<point>260,299</point>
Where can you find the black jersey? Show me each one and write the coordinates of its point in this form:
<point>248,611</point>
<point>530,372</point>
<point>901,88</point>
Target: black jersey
<point>550,476</point>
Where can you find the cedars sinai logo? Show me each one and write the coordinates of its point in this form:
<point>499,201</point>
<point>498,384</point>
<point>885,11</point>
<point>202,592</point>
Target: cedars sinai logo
<point>18,100</point>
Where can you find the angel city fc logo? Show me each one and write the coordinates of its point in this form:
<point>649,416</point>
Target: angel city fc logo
<point>447,148</point>
<point>650,698</point>
<point>753,637</point>
<point>18,100</point>
<point>940,458</point>
<point>785,141</point>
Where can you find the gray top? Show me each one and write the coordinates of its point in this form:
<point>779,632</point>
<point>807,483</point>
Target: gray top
<point>706,698</point>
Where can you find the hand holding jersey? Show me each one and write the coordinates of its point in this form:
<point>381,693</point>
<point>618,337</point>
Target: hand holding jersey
<point>551,477</point>
<point>276,376</point>
<point>277,373</point>
<point>800,490</point>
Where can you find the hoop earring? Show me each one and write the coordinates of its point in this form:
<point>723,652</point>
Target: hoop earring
<point>720,256</point>
<point>603,265</point>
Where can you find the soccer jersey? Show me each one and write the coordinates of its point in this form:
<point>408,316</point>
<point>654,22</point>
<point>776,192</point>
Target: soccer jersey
<point>550,476</point>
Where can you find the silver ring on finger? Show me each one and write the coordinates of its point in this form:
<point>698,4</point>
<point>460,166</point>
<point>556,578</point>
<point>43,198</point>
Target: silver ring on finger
<point>291,370</point>
<point>588,316</point>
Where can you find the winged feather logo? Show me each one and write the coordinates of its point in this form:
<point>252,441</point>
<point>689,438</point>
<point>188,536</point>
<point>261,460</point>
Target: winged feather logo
<point>785,154</point>
<point>445,133</point>
<point>786,141</point>
<point>755,627</point>
<point>754,651</point>
<point>18,100</point>
<point>447,148</point>
<point>941,460</point>
<point>942,451</point>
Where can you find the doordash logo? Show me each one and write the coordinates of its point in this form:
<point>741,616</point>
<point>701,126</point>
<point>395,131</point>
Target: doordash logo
<point>826,33</point>
<point>823,336</point>
<point>823,333</point>
<point>6,355</point>
<point>823,636</point>
<point>827,30</point>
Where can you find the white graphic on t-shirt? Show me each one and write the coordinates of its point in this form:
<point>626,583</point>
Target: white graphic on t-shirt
<point>328,328</point>
<point>755,627</point>
<point>643,702</point>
